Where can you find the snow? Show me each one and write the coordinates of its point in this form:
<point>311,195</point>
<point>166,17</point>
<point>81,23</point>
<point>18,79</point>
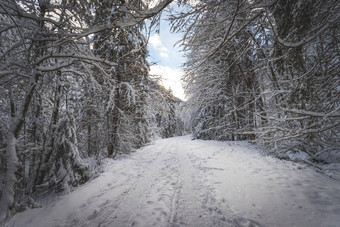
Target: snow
<point>184,182</point>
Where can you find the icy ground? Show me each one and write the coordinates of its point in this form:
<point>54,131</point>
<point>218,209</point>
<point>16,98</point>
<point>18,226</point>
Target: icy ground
<point>180,182</point>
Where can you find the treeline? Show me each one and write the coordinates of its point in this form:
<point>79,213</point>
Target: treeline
<point>267,71</point>
<point>75,84</point>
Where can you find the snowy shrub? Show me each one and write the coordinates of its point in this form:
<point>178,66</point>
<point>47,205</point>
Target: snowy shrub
<point>67,167</point>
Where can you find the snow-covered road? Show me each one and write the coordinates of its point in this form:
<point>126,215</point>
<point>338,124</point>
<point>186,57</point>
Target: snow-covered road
<point>183,182</point>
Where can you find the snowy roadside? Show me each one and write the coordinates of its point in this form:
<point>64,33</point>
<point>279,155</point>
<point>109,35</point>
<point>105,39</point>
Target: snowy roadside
<point>180,182</point>
<point>87,200</point>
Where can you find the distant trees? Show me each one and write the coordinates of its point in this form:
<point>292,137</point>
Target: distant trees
<point>74,82</point>
<point>266,71</point>
<point>165,112</point>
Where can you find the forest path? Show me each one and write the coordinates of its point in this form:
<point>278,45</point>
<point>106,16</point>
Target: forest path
<point>183,182</point>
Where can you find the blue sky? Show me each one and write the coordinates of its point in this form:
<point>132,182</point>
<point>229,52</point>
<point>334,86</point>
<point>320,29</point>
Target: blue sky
<point>167,57</point>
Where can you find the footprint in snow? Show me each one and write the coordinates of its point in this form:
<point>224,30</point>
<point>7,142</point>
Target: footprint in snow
<point>243,222</point>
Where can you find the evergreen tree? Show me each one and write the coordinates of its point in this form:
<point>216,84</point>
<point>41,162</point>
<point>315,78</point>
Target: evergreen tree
<point>264,70</point>
<point>46,60</point>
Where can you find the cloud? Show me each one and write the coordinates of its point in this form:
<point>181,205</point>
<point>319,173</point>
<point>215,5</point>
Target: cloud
<point>171,78</point>
<point>163,55</point>
<point>157,44</point>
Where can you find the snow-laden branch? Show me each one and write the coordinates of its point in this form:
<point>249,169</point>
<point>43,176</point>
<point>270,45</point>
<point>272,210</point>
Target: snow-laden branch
<point>53,68</point>
<point>314,114</point>
<point>282,119</point>
<point>13,72</point>
<point>74,56</point>
<point>303,132</point>
<point>284,42</point>
<point>130,92</point>
<point>128,21</point>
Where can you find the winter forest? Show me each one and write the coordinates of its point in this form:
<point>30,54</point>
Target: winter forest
<point>75,85</point>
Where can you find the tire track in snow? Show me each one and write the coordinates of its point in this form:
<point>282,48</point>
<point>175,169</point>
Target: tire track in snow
<point>160,201</point>
<point>106,211</point>
<point>216,212</point>
<point>145,189</point>
<point>177,192</point>
<point>113,214</point>
<point>165,190</point>
<point>143,205</point>
<point>173,175</point>
<point>191,204</point>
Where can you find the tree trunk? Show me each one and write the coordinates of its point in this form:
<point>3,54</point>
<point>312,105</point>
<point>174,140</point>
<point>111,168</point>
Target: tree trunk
<point>7,197</point>
<point>49,140</point>
<point>113,139</point>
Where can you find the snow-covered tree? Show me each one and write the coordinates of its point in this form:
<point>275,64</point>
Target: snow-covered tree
<point>164,111</point>
<point>125,92</point>
<point>264,70</point>
<point>44,46</point>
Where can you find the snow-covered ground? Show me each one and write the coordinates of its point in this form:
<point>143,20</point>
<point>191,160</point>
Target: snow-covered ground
<point>183,182</point>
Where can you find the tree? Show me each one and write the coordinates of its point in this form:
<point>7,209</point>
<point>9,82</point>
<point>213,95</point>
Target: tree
<point>125,93</point>
<point>46,44</point>
<point>264,70</point>
<point>221,80</point>
<point>164,111</point>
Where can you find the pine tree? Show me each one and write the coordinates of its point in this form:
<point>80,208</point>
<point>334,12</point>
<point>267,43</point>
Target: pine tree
<point>127,127</point>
